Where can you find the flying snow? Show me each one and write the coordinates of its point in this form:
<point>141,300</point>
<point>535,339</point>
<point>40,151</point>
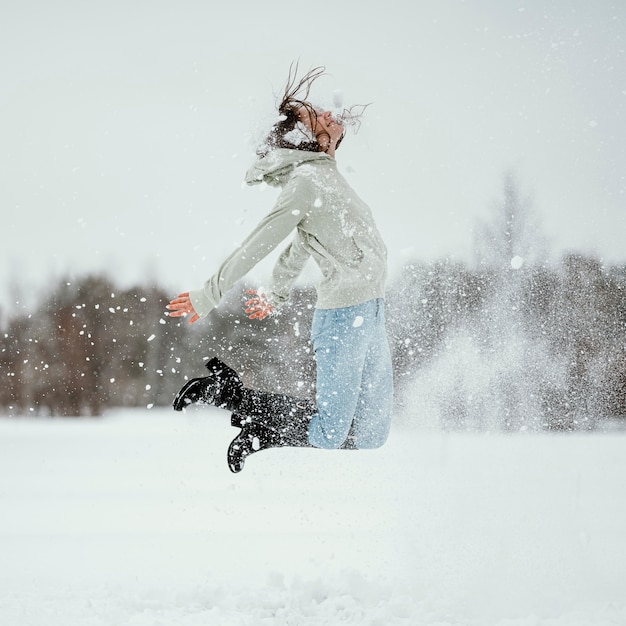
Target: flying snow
<point>517,262</point>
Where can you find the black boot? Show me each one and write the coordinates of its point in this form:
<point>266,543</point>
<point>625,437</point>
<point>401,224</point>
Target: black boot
<point>282,413</point>
<point>267,420</point>
<point>221,388</point>
<point>255,437</point>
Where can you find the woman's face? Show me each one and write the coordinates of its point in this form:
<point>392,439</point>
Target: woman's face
<point>322,124</point>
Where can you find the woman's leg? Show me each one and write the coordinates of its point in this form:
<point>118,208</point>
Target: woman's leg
<point>354,386</point>
<point>341,338</point>
<point>373,412</point>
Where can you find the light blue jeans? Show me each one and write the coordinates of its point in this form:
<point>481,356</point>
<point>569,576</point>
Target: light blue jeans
<point>354,376</point>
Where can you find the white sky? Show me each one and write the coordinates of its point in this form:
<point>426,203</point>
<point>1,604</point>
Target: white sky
<point>125,125</point>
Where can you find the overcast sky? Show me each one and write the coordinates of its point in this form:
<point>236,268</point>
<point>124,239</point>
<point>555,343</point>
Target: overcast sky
<point>126,126</point>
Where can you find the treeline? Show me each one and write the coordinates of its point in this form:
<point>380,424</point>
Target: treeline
<point>532,347</point>
<point>90,345</point>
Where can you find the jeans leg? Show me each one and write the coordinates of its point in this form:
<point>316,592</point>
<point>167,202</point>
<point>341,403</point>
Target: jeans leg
<point>373,412</point>
<point>340,339</point>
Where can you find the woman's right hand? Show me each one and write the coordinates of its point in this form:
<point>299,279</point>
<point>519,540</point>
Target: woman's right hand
<point>328,133</point>
<point>181,307</point>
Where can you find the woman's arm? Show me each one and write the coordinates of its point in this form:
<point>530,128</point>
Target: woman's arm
<point>287,268</point>
<point>273,229</point>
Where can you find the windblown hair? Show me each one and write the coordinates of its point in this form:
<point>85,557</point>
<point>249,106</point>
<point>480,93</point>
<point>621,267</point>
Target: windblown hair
<point>289,131</point>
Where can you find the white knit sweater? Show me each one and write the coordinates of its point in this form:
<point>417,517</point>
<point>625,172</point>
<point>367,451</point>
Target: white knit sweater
<point>329,222</point>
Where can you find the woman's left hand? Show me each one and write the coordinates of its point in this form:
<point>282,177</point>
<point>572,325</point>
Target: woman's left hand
<point>258,306</point>
<point>181,307</point>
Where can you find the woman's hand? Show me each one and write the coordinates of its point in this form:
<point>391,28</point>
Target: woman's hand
<point>335,131</point>
<point>258,307</point>
<point>328,133</point>
<point>181,307</point>
<point>328,140</point>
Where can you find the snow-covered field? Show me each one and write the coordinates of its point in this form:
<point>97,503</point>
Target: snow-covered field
<point>135,520</point>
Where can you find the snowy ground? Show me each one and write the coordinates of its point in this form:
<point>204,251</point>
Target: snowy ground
<point>135,520</point>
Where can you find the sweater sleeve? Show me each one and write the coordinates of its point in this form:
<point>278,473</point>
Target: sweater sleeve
<point>288,267</point>
<point>273,229</point>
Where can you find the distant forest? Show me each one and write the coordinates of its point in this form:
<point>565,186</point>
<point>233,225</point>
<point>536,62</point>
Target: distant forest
<point>511,341</point>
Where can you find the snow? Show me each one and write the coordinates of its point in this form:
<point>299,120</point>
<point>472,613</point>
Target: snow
<point>517,262</point>
<point>134,520</point>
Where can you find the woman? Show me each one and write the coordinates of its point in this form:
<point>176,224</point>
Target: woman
<point>335,227</point>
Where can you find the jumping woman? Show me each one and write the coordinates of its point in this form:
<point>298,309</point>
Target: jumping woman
<point>330,223</point>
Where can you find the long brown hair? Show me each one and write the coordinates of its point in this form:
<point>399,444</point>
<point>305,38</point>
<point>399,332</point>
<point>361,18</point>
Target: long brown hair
<point>288,131</point>
<point>285,132</point>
